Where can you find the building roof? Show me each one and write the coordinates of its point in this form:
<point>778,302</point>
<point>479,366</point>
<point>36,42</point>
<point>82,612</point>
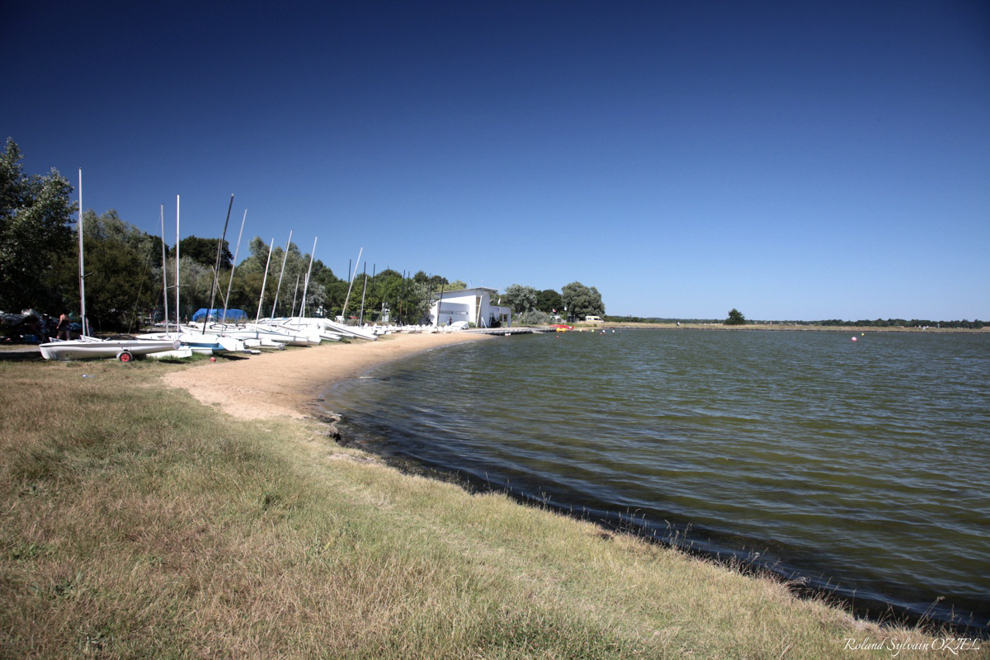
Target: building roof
<point>474,288</point>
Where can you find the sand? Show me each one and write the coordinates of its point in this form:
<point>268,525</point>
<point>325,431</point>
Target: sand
<point>287,383</point>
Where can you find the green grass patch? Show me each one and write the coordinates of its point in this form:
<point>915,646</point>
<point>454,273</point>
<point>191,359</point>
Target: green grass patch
<point>136,522</point>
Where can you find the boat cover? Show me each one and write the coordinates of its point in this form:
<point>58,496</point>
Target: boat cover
<point>233,315</point>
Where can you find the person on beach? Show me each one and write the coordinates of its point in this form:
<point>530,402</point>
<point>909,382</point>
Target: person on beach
<point>62,329</point>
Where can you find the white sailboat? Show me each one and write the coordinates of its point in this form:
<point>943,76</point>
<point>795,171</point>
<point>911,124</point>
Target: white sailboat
<point>193,338</point>
<point>86,347</point>
<point>124,350</point>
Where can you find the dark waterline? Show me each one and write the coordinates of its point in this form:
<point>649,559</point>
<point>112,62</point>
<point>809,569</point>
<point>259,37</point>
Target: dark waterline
<point>857,467</point>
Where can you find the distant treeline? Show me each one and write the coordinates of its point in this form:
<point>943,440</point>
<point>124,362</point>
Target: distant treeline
<point>878,323</point>
<point>653,319</point>
<point>901,323</point>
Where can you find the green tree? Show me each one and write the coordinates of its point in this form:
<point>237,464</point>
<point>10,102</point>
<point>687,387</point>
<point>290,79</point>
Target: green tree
<point>122,284</point>
<point>293,279</point>
<point>250,274</point>
<point>257,258</point>
<point>532,317</point>
<point>549,301</point>
<point>735,318</point>
<point>316,293</point>
<point>35,232</point>
<point>404,296</point>
<point>520,298</point>
<point>195,281</point>
<point>204,250</point>
<point>581,301</point>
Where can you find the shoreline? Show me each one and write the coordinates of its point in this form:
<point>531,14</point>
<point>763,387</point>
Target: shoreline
<point>288,382</point>
<point>778,327</point>
<point>138,523</point>
<point>875,610</point>
<point>291,383</point>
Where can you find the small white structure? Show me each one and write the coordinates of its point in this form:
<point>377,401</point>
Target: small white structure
<point>473,306</point>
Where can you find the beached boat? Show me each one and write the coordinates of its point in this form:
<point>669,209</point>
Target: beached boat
<point>198,342</point>
<point>181,353</point>
<point>327,327</point>
<point>87,347</point>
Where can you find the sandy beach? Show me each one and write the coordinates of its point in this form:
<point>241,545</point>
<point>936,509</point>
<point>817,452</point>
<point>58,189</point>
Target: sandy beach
<point>288,382</point>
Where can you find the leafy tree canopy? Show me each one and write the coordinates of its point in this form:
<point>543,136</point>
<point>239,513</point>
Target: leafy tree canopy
<point>581,301</point>
<point>258,259</point>
<point>121,281</point>
<point>433,282</point>
<point>735,318</point>
<point>204,251</point>
<point>549,301</point>
<point>520,298</point>
<point>35,231</point>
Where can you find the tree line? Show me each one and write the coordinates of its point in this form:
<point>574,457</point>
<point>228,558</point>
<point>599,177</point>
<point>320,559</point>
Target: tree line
<point>878,323</point>
<point>574,302</point>
<point>131,275</point>
<point>902,323</point>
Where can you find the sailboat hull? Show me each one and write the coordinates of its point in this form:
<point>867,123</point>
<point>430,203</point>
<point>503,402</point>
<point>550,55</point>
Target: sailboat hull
<point>91,348</point>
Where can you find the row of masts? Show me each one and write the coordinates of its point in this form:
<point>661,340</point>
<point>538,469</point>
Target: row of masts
<point>216,270</point>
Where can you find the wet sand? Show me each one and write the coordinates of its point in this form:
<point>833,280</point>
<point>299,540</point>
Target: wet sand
<point>287,382</point>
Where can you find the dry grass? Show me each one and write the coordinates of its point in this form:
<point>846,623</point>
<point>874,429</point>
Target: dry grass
<point>135,522</point>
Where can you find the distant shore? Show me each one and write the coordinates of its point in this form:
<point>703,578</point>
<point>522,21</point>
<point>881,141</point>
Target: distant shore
<point>800,327</point>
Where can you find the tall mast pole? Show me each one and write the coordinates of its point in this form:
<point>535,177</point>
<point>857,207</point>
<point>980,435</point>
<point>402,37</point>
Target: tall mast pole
<point>178,323</point>
<point>230,282</point>
<point>302,306</point>
<point>216,266</point>
<point>348,296</point>
<point>439,300</point>
<point>285,256</point>
<point>295,294</point>
<point>363,292</point>
<point>164,271</point>
<point>264,281</point>
<point>82,271</point>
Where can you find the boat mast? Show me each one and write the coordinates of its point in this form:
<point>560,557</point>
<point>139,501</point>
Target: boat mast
<point>264,281</point>
<point>363,292</point>
<point>295,294</point>
<point>164,271</point>
<point>302,306</point>
<point>439,301</point>
<point>82,272</point>
<point>178,324</point>
<point>230,283</point>
<point>216,265</point>
<point>348,296</point>
<point>285,256</point>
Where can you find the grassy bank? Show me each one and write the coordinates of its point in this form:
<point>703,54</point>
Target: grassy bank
<point>136,522</point>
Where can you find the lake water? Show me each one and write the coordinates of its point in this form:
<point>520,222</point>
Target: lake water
<point>856,466</point>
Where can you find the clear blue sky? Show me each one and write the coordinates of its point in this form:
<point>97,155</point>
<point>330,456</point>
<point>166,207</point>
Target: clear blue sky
<point>795,160</point>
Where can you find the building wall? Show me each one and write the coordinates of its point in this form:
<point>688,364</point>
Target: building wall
<point>454,311</point>
<point>471,305</point>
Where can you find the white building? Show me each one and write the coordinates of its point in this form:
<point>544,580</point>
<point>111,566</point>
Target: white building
<point>475,306</point>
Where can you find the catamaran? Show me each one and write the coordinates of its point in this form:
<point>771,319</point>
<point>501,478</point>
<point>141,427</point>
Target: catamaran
<point>124,349</point>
